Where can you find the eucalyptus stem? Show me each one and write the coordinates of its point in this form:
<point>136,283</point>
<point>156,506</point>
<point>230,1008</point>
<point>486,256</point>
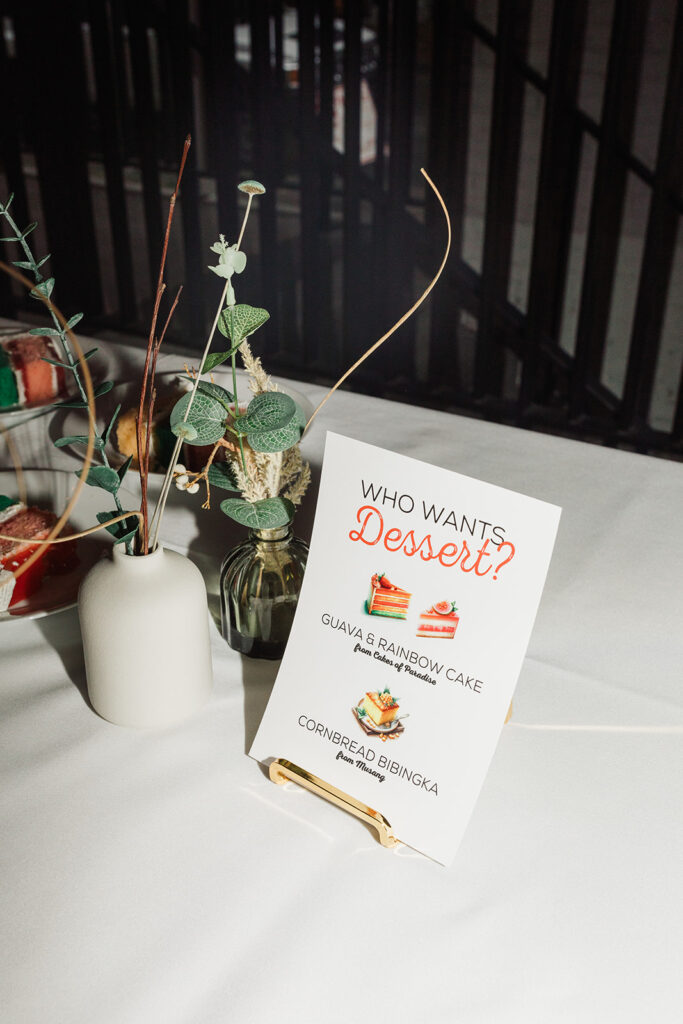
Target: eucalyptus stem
<point>155,524</point>
<point>34,268</point>
<point>237,408</point>
<point>168,479</point>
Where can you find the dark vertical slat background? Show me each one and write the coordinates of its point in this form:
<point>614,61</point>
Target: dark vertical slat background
<point>609,190</point>
<point>110,106</point>
<point>149,156</point>
<point>264,162</point>
<point>351,270</point>
<point>506,135</point>
<point>337,250</point>
<point>557,182</point>
<point>448,146</point>
<point>58,132</point>
<point>400,271</point>
<point>222,125</point>
<point>659,249</point>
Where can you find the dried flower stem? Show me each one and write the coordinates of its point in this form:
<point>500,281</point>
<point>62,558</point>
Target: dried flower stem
<point>147,379</point>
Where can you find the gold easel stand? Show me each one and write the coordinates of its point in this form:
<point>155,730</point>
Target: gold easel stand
<point>282,771</point>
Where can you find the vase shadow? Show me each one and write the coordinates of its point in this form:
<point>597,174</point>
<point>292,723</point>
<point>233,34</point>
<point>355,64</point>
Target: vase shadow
<point>258,678</point>
<point>62,632</point>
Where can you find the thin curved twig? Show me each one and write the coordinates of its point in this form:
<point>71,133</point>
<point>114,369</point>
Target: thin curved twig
<point>405,316</point>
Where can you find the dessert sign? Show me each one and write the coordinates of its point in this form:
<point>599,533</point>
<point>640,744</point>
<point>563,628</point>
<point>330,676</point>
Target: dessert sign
<point>419,598</point>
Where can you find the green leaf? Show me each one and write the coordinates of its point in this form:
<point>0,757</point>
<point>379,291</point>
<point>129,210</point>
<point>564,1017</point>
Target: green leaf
<point>75,403</point>
<point>44,260</point>
<point>44,332</point>
<point>239,426</point>
<point>5,502</point>
<point>275,440</point>
<point>215,359</point>
<point>103,389</point>
<point>45,288</point>
<point>62,442</point>
<point>104,477</point>
<point>23,264</point>
<point>122,470</point>
<point>75,319</point>
<point>270,411</point>
<point>205,387</point>
<point>207,416</point>
<point>27,231</point>
<point>56,362</point>
<point>238,322</point>
<point>301,418</point>
<point>267,514</point>
<point>221,475</point>
<point>5,208</point>
<point>68,366</point>
<point>105,436</point>
<point>122,531</point>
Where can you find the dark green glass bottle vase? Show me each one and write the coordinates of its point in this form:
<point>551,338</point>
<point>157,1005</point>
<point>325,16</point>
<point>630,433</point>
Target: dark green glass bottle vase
<point>260,585</point>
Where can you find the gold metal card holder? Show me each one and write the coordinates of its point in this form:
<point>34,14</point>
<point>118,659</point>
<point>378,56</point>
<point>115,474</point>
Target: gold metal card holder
<point>282,771</point>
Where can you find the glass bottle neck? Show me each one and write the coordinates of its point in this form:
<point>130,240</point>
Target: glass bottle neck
<point>280,533</point>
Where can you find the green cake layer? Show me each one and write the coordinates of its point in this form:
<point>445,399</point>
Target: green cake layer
<point>8,386</point>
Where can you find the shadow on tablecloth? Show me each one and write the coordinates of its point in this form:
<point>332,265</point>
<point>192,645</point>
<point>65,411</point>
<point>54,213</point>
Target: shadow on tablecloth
<point>63,633</point>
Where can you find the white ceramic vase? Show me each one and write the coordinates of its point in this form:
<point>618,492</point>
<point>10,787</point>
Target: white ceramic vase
<point>145,628</point>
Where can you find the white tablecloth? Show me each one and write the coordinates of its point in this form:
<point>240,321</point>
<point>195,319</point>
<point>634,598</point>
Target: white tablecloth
<point>161,877</point>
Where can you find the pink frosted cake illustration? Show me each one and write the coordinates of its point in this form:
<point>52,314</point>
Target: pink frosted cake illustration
<point>439,621</point>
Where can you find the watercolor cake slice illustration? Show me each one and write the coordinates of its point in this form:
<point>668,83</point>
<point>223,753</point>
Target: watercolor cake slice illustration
<point>386,598</point>
<point>380,707</point>
<point>441,621</point>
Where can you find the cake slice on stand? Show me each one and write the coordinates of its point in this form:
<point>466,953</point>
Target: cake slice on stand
<point>16,520</point>
<point>26,376</point>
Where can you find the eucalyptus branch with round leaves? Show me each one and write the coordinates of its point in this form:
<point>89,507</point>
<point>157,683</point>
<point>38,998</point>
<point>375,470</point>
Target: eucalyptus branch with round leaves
<point>262,443</point>
<point>103,476</point>
<point>256,441</point>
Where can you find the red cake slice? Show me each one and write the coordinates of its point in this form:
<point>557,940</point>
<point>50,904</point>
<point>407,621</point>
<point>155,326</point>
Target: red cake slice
<point>441,620</point>
<point>386,598</point>
<point>19,521</point>
<point>37,382</point>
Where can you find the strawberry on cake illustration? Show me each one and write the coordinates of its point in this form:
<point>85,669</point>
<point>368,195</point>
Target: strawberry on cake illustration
<point>441,620</point>
<point>386,598</point>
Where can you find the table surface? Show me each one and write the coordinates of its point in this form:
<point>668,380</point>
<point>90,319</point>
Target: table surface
<point>162,877</point>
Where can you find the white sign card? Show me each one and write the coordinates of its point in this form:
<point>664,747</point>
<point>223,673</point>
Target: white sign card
<point>420,593</point>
